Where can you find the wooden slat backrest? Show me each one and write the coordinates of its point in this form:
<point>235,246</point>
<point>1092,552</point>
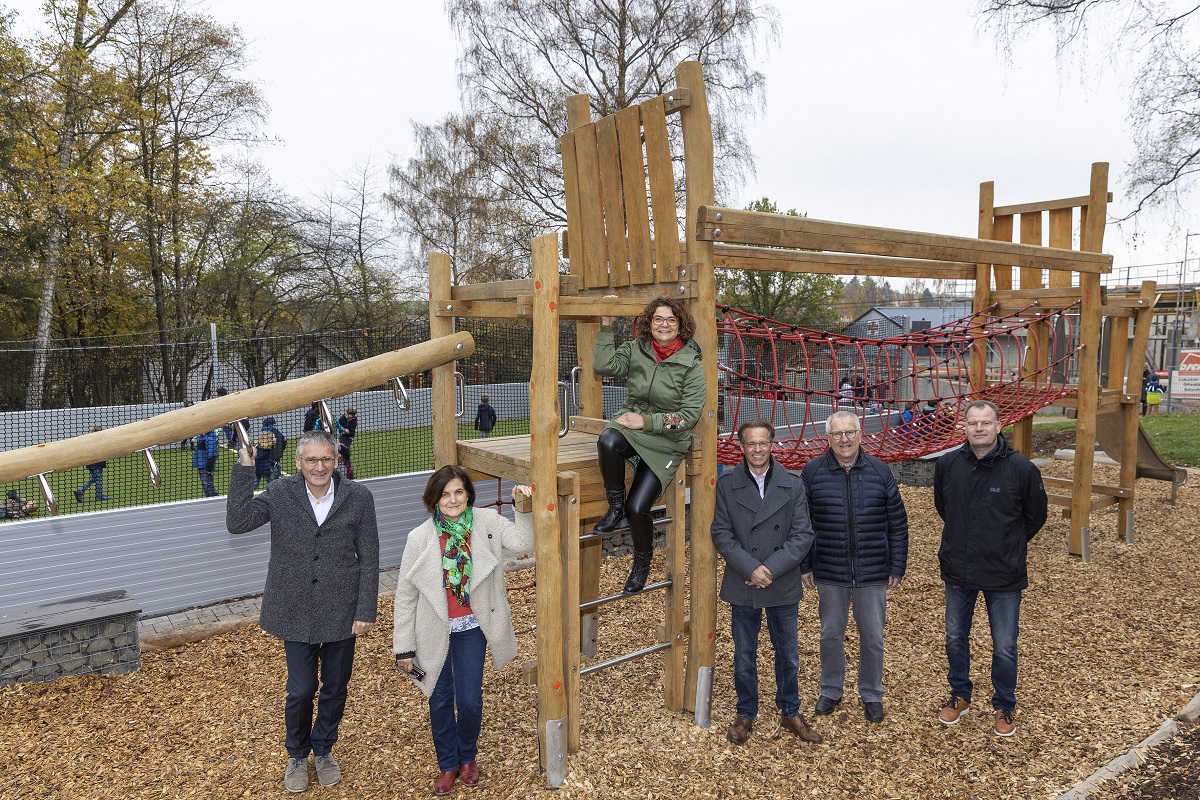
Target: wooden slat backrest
<point>622,214</point>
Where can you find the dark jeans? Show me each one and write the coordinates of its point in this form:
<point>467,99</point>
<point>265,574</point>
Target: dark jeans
<point>614,449</point>
<point>782,624</point>
<point>1003,611</point>
<point>206,483</point>
<point>459,687</point>
<point>335,661</point>
<point>95,478</point>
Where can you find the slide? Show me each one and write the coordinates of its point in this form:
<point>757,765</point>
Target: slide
<point>1149,463</point>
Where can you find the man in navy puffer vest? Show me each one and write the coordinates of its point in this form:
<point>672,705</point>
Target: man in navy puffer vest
<point>860,551</point>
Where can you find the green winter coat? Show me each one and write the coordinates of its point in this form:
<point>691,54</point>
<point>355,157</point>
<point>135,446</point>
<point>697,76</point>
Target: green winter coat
<point>669,395</point>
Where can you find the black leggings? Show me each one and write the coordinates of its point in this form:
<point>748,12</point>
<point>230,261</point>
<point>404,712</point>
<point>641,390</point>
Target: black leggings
<point>645,489</point>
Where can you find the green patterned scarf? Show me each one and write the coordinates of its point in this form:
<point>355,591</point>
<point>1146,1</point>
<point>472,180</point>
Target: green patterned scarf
<point>456,558</point>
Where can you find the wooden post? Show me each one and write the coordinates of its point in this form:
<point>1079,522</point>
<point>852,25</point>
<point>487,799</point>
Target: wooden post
<point>977,369</point>
<point>1091,240</point>
<point>676,598</point>
<point>591,397</point>
<point>445,426</point>
<point>698,157</point>
<point>1031,278</point>
<point>568,537</point>
<point>543,469</point>
<point>1130,410</point>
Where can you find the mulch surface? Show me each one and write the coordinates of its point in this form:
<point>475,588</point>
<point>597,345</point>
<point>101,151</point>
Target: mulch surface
<point>1170,772</point>
<point>1109,651</point>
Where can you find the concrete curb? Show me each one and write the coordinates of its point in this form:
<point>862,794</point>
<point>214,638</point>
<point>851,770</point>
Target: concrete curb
<point>1135,756</point>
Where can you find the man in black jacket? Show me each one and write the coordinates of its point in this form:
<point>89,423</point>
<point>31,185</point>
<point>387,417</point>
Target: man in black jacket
<point>859,553</point>
<point>992,502</point>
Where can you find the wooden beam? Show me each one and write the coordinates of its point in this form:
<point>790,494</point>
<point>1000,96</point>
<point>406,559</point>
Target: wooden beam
<point>588,308</point>
<point>1097,488</point>
<point>717,224</point>
<point>766,259</point>
<point>507,290</point>
<point>274,398</point>
<point>1048,297</point>
<point>482,309</point>
<point>1046,205</point>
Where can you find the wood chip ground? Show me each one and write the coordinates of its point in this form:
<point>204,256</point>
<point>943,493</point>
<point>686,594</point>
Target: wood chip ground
<point>1109,650</point>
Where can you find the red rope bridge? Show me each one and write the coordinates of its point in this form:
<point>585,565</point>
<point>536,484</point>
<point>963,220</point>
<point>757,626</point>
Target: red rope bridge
<point>796,377</point>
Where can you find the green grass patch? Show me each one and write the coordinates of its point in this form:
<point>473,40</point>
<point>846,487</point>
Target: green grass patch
<point>1175,436</point>
<point>126,481</point>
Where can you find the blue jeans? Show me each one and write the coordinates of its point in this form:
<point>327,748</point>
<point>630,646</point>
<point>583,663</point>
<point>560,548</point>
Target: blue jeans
<point>459,688</point>
<point>206,483</point>
<point>1003,610</point>
<point>335,661</point>
<point>95,478</point>
<point>782,623</point>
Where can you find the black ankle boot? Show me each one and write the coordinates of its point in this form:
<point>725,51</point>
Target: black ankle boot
<point>615,516</point>
<point>639,573</point>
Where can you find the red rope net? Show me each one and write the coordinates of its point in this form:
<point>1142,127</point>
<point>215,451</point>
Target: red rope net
<point>796,377</point>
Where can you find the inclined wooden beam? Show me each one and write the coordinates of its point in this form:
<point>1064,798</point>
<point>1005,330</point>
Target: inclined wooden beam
<point>273,398</point>
<point>734,226</point>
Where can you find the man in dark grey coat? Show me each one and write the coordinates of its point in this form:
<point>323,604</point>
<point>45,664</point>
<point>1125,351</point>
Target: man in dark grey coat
<point>321,592</point>
<point>762,530</point>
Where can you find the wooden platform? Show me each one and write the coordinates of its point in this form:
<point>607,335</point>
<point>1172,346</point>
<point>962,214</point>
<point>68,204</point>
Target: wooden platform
<point>508,457</point>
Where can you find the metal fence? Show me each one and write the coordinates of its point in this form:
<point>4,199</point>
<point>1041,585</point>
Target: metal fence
<point>110,383</point>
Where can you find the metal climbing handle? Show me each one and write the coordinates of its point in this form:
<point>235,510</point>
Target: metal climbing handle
<point>562,393</point>
<point>399,392</point>
<point>460,383</point>
<point>326,416</point>
<point>574,383</point>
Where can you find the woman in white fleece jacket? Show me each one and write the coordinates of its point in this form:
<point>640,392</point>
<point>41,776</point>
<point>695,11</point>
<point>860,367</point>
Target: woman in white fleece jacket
<point>451,604</point>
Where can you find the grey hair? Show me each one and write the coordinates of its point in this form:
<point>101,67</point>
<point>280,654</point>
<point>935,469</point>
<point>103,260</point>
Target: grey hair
<point>842,415</point>
<point>319,437</point>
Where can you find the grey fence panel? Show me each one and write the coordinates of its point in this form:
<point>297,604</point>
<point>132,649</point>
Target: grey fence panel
<point>169,556</point>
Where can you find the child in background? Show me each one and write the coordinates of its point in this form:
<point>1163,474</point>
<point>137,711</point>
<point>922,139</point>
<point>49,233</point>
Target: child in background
<point>95,477</point>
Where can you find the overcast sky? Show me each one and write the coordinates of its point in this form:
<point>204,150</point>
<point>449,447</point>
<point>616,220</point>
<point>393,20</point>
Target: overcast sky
<point>878,112</point>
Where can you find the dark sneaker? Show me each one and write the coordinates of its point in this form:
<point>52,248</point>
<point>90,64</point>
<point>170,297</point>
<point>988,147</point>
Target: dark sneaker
<point>1005,724</point>
<point>825,706</point>
<point>873,711</point>
<point>295,780</point>
<point>953,710</point>
<point>328,771</point>
<point>103,497</point>
<point>78,496</point>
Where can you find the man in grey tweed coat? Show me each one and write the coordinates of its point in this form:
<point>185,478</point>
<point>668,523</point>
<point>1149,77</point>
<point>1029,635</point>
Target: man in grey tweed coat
<point>321,591</point>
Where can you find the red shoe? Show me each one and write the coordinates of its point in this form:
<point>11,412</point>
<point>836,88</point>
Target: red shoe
<point>468,773</point>
<point>445,782</point>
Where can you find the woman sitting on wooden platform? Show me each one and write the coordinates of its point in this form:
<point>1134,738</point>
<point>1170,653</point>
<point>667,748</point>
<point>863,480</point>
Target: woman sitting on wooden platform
<point>664,379</point>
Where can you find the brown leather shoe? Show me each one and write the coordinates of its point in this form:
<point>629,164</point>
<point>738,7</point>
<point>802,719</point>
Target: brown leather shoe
<point>1005,724</point>
<point>740,730</point>
<point>468,774</point>
<point>798,726</point>
<point>953,710</point>
<point>445,782</point>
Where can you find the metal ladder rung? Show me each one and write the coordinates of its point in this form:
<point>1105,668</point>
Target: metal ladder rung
<point>612,662</point>
<point>589,537</point>
<point>599,601</point>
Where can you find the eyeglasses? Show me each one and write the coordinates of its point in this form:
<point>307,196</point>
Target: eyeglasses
<point>843,434</point>
<point>325,461</point>
<point>756,445</point>
<point>665,321</point>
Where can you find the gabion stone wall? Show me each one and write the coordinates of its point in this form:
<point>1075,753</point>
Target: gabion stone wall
<point>915,472</point>
<point>83,635</point>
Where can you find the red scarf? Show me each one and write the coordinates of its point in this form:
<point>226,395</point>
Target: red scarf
<point>664,351</point>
